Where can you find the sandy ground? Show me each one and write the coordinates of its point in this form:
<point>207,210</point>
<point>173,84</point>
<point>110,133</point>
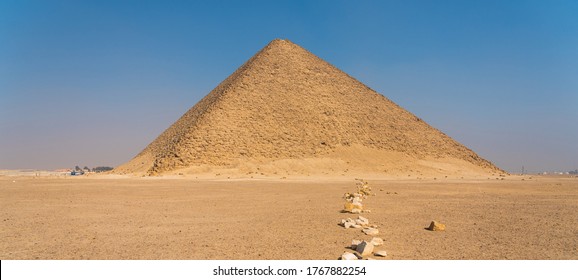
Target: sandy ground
<point>99,217</point>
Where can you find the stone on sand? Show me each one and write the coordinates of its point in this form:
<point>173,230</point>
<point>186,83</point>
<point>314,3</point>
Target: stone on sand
<point>351,207</point>
<point>347,223</point>
<point>364,248</point>
<point>362,221</point>
<point>380,253</point>
<point>354,243</point>
<point>371,231</point>
<point>348,256</point>
<point>436,226</point>
<point>376,241</point>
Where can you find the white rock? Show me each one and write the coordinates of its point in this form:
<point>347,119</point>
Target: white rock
<point>380,253</point>
<point>356,201</point>
<point>362,221</point>
<point>356,226</point>
<point>348,256</point>
<point>364,248</point>
<point>376,241</point>
<point>371,231</point>
<point>355,211</point>
<point>348,224</point>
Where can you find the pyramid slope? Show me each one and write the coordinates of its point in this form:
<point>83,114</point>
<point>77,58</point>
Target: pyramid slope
<point>286,103</point>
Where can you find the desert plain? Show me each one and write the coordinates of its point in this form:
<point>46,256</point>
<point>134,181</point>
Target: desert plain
<point>271,218</point>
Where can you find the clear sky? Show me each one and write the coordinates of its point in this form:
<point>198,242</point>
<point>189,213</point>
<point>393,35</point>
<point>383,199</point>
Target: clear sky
<point>93,82</point>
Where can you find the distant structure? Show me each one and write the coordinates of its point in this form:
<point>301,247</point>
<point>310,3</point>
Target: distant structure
<point>288,108</point>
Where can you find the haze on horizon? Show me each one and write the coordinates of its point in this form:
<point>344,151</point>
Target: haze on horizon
<point>92,83</point>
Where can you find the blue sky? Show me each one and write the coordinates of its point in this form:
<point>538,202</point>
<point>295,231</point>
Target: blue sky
<point>93,82</point>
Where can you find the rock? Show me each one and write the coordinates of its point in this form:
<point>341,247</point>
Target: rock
<point>351,207</point>
<point>376,241</point>
<point>348,206</point>
<point>380,253</point>
<point>370,231</point>
<point>356,211</point>
<point>356,226</point>
<point>435,226</point>
<point>348,256</point>
<point>356,201</point>
<point>347,223</point>
<point>364,248</point>
<point>366,211</point>
<point>362,221</point>
<point>354,243</point>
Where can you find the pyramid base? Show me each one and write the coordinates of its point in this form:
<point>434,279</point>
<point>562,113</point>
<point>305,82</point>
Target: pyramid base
<point>344,162</point>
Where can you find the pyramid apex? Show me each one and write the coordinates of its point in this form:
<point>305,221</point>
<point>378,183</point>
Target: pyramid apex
<point>279,41</point>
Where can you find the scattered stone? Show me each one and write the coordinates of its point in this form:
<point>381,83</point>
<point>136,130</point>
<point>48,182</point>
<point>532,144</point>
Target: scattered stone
<point>376,241</point>
<point>364,248</point>
<point>380,253</point>
<point>365,211</point>
<point>354,243</point>
<point>370,231</point>
<point>356,226</point>
<point>356,211</point>
<point>348,256</point>
<point>362,221</point>
<point>435,226</point>
<point>352,207</point>
<point>347,223</point>
<point>348,206</point>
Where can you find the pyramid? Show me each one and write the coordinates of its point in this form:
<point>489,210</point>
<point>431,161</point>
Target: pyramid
<point>288,109</point>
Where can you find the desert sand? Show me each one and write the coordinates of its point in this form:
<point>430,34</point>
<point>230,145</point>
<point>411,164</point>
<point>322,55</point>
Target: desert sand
<point>181,217</point>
